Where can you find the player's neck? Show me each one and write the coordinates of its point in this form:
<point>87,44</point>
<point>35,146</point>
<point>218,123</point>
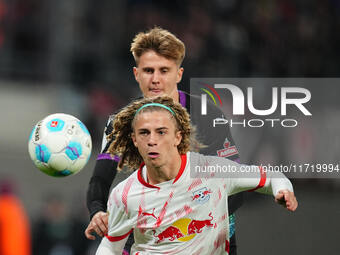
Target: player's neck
<point>166,172</point>
<point>175,96</point>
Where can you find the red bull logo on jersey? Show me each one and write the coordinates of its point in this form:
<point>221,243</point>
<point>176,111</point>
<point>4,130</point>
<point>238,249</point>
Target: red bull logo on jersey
<point>184,229</point>
<point>202,195</point>
<point>171,233</point>
<point>196,226</point>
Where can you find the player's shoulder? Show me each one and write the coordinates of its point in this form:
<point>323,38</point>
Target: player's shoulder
<point>198,159</point>
<point>200,166</point>
<point>132,179</point>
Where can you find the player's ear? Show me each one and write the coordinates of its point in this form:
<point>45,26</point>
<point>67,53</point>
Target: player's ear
<point>178,138</point>
<point>133,137</point>
<point>135,72</point>
<point>179,74</point>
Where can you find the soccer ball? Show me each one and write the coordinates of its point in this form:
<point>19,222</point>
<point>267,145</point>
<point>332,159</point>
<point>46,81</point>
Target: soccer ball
<point>60,145</point>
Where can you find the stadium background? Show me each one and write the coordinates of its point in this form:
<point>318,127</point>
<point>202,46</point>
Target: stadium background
<point>73,56</point>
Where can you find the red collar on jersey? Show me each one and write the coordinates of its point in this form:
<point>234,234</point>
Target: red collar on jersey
<point>180,172</point>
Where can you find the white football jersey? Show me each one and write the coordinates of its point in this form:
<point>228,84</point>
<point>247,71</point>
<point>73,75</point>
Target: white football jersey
<point>181,216</point>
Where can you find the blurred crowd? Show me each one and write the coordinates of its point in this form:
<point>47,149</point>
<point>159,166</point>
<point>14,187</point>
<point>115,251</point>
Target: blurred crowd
<point>83,46</point>
<point>86,45</point>
<point>90,41</point>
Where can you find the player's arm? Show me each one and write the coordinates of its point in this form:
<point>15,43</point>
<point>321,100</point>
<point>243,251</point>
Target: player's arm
<point>266,182</point>
<point>99,188</point>
<point>97,194</point>
<point>255,178</point>
<point>119,226</point>
<point>110,248</point>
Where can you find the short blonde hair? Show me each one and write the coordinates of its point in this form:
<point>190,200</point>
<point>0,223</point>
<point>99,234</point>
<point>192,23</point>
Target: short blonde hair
<point>161,41</point>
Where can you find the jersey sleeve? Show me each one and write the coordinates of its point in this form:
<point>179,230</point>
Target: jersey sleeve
<point>259,180</point>
<point>110,248</point>
<point>120,225</point>
<point>238,177</point>
<point>103,175</point>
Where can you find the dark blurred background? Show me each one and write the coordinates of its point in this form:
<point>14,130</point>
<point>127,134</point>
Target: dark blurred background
<point>73,56</point>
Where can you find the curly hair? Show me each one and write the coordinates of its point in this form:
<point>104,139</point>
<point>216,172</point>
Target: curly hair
<point>123,145</point>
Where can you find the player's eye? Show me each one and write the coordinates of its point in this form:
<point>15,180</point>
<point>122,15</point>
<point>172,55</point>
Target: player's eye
<point>148,70</point>
<point>144,132</point>
<point>161,132</point>
<point>164,70</point>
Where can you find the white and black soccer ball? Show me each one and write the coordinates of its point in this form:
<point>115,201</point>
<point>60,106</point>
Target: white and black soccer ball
<point>60,145</point>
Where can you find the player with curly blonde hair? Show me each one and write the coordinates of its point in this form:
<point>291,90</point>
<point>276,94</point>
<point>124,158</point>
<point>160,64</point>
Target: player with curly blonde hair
<point>168,210</point>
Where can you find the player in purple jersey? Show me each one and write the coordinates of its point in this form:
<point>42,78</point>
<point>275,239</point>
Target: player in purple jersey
<point>169,211</point>
<point>158,55</point>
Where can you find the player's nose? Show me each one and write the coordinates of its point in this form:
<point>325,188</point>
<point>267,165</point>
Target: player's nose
<point>155,77</point>
<point>152,139</point>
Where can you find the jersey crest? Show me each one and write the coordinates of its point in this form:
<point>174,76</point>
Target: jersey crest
<point>202,195</point>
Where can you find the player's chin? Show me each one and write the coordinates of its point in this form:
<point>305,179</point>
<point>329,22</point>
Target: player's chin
<point>153,94</point>
<point>153,161</point>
